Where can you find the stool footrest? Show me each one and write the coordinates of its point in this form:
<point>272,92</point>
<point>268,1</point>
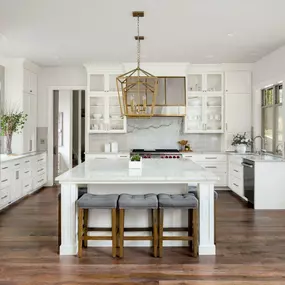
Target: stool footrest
<point>138,238</point>
<point>96,238</point>
<point>173,229</point>
<point>177,238</point>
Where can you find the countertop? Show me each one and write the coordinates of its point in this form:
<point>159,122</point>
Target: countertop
<point>153,171</point>
<point>7,158</point>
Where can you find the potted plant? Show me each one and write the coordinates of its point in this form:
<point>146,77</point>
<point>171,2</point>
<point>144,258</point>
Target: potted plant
<point>135,161</point>
<point>240,141</point>
<point>11,121</point>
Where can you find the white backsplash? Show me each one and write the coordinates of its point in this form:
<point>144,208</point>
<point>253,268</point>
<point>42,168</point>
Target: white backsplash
<point>156,133</point>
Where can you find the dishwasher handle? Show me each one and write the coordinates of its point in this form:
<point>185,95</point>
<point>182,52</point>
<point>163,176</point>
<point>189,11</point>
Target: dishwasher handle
<point>247,165</point>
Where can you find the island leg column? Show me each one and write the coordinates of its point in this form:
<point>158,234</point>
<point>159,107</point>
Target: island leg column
<point>69,195</point>
<point>206,219</point>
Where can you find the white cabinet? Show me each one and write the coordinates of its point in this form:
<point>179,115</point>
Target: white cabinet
<point>235,175</point>
<point>104,114</point>
<point>30,82</point>
<point>30,128</point>
<point>211,83</point>
<point>110,155</point>
<point>237,105</point>
<point>102,82</point>
<point>204,114</point>
<point>238,82</point>
<point>21,177</point>
<point>216,163</point>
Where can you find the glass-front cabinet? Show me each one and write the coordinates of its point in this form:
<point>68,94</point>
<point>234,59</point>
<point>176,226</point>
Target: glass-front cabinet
<point>103,82</point>
<point>210,83</point>
<point>204,114</point>
<point>105,114</point>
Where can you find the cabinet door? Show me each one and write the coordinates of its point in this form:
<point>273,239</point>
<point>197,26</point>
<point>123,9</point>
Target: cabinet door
<point>238,82</point>
<point>195,120</point>
<point>33,123</point>
<point>33,83</point>
<point>195,83</point>
<point>238,112</point>
<point>26,81</point>
<point>27,128</point>
<point>97,82</point>
<point>97,114</point>
<point>213,82</point>
<point>16,187</point>
<point>214,113</point>
<point>116,123</point>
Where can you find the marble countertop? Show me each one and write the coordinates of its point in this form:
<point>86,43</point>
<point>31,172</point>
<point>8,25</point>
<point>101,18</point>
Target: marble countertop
<point>7,158</point>
<point>153,171</point>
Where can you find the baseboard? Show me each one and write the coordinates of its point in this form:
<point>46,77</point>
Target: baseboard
<point>239,198</point>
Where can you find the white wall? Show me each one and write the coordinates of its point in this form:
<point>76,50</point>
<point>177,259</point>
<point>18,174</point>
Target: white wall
<point>268,70</point>
<point>65,106</point>
<point>56,76</point>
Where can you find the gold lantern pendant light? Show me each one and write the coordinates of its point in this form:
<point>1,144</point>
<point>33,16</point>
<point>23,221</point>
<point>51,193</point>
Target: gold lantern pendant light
<point>137,89</point>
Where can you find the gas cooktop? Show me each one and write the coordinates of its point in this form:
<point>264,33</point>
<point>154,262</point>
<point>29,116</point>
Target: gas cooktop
<point>157,153</point>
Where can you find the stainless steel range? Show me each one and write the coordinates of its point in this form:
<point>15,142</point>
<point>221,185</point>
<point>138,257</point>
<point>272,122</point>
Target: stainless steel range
<point>158,153</point>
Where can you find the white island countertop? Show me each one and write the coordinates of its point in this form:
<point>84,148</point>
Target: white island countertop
<point>153,171</point>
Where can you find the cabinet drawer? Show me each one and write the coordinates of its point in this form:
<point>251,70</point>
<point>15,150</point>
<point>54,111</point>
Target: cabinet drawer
<point>41,159</point>
<point>5,177</point>
<point>223,179</point>
<point>41,170</point>
<point>16,165</point>
<point>237,159</point>
<point>39,181</point>
<point>237,186</point>
<point>236,171</point>
<point>4,196</point>
<point>26,173</point>
<point>27,185</point>
<point>214,167</point>
<point>206,157</point>
<point>27,163</point>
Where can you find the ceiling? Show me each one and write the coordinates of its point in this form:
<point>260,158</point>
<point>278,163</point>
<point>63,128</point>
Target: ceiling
<point>71,32</point>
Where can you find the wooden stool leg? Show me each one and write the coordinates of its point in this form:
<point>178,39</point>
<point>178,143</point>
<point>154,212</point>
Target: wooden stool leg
<point>59,224</point>
<point>114,232</point>
<point>121,232</point>
<point>195,232</point>
<point>85,233</point>
<point>215,222</point>
<point>154,232</point>
<point>190,227</point>
<point>160,233</point>
<point>80,231</point>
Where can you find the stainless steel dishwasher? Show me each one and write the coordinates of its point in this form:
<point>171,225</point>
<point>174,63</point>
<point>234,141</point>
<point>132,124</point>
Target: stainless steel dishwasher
<point>248,180</point>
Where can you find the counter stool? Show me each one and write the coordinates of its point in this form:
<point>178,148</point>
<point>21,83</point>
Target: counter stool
<point>137,202</point>
<point>193,189</point>
<point>179,201</point>
<point>90,201</point>
<point>81,192</point>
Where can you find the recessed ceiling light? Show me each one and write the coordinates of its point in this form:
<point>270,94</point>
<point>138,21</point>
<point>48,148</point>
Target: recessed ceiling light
<point>230,35</point>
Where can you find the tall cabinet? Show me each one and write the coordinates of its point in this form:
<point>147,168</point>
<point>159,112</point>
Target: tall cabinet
<point>238,105</point>
<point>21,94</point>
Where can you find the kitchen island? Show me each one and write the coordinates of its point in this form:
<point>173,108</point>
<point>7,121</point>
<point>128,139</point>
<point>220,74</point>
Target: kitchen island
<point>104,176</point>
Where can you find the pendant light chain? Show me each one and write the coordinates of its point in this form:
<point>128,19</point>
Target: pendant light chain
<point>139,43</point>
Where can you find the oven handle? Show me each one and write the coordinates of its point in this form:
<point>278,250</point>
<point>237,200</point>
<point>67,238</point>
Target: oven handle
<point>247,165</point>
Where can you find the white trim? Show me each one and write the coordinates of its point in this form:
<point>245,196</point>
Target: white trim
<point>50,126</point>
<point>79,126</point>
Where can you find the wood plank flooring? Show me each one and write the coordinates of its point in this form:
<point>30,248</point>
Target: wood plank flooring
<point>250,250</point>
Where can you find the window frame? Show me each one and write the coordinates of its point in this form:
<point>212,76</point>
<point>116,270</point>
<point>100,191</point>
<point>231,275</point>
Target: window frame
<point>274,107</point>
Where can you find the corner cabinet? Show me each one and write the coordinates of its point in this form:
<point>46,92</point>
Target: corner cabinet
<point>103,108</point>
<point>205,103</point>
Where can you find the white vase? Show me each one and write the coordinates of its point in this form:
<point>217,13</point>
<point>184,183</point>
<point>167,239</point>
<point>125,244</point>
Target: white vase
<point>135,164</point>
<point>241,148</point>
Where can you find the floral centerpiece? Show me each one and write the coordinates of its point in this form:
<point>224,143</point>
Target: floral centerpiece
<point>240,141</point>
<point>11,121</point>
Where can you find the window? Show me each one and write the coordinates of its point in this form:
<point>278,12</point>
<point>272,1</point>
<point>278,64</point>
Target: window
<point>272,120</point>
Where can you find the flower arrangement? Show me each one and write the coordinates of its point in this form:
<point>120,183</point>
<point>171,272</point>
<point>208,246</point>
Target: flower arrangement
<point>239,139</point>
<point>135,157</point>
<point>11,121</point>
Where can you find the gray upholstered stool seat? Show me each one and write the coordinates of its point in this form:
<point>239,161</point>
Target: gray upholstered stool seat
<point>88,201</point>
<point>193,189</point>
<point>186,201</point>
<point>147,201</point>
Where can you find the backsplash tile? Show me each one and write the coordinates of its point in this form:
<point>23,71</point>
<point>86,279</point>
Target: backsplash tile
<point>156,133</point>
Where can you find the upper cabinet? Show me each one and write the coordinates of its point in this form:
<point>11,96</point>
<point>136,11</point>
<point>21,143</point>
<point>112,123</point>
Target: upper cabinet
<point>210,83</point>
<point>102,82</point>
<point>238,82</point>
<point>30,82</point>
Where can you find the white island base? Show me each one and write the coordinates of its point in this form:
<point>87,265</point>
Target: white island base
<point>156,176</point>
<point>139,218</point>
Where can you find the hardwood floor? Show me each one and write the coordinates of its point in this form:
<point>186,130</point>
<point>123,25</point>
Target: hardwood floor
<point>250,250</point>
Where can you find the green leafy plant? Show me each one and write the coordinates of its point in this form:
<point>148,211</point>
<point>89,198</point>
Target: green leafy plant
<point>12,121</point>
<point>135,157</point>
<point>241,139</point>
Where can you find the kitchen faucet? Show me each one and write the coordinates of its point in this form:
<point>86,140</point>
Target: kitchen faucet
<point>262,150</point>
